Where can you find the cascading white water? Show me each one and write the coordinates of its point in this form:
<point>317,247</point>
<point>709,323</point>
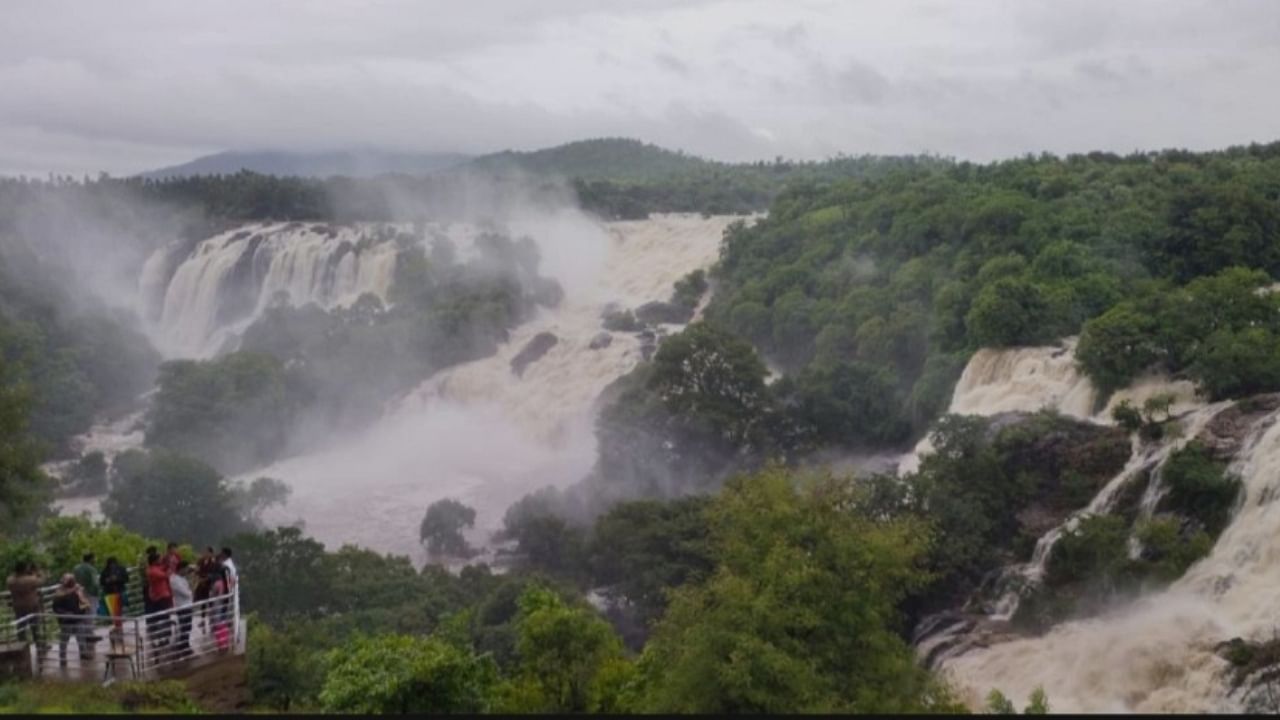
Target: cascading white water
<point>1157,654</point>
<point>1029,379</point>
<point>483,434</point>
<point>1140,458</point>
<point>197,301</point>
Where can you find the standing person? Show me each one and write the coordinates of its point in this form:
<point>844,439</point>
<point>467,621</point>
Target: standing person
<point>144,587</point>
<point>219,592</point>
<point>24,594</point>
<point>172,557</point>
<point>205,567</point>
<point>159,599</point>
<point>70,605</point>
<point>182,601</point>
<point>233,575</point>
<point>87,577</point>
<point>113,582</point>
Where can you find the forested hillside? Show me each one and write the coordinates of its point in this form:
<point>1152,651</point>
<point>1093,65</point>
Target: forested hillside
<point>894,281</point>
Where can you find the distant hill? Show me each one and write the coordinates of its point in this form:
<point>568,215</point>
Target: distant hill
<point>616,159</point>
<point>615,178</point>
<point>355,163</point>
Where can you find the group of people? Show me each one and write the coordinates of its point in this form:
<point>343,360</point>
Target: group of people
<point>170,587</point>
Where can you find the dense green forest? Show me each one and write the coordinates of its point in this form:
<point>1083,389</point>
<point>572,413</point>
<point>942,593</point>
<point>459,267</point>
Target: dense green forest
<point>868,296</point>
<point>733,579</point>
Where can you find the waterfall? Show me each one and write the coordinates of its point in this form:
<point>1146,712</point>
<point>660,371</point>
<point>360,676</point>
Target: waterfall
<point>1140,459</point>
<point>479,432</point>
<point>1153,654</point>
<point>1156,654</point>
<point>1029,379</point>
<point>196,302</point>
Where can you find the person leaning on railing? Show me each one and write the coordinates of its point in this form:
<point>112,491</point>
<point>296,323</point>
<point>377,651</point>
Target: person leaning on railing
<point>206,565</point>
<point>24,594</point>
<point>182,602</point>
<point>158,599</point>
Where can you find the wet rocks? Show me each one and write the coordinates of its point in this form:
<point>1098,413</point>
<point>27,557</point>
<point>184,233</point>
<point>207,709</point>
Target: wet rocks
<point>648,343</point>
<point>532,352</point>
<point>1255,672</point>
<point>547,292</point>
<point>1224,434</point>
<point>620,321</point>
<point>658,312</point>
<point>601,341</point>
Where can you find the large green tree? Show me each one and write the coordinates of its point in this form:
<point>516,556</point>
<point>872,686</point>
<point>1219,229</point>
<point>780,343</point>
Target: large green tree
<point>233,413</point>
<point>396,674</point>
<point>23,486</point>
<point>166,495</point>
<point>800,614</point>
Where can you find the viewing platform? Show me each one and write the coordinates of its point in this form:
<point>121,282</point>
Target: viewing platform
<point>136,645</point>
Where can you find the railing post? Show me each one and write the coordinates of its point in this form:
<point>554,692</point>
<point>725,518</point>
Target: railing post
<point>235,618</point>
<point>138,647</point>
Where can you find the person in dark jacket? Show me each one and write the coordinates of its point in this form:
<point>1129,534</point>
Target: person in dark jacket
<point>114,581</point>
<point>205,567</point>
<point>69,605</point>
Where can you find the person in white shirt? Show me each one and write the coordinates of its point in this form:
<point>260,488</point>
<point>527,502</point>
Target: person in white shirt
<point>181,588</point>
<point>233,576</point>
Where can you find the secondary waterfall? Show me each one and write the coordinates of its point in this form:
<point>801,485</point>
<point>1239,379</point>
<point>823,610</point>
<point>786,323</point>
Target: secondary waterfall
<point>483,434</point>
<point>1028,379</point>
<point>195,299</point>
<point>1155,654</point>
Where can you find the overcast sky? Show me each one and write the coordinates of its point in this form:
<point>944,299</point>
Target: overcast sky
<point>126,86</point>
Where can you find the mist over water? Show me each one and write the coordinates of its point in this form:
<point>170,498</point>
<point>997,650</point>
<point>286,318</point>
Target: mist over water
<point>480,433</point>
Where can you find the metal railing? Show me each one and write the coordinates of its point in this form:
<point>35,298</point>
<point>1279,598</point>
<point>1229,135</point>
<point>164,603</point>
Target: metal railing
<point>143,646</point>
<point>133,595</point>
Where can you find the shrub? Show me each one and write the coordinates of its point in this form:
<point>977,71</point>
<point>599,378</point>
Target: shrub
<point>1199,487</point>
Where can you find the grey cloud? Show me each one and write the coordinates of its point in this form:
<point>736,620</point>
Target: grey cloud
<point>91,85</point>
<point>859,82</point>
<point>671,63</point>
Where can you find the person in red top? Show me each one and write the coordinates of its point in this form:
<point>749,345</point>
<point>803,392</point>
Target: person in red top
<point>159,599</point>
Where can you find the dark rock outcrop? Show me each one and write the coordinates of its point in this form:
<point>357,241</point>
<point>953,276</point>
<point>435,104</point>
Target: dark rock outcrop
<point>657,312</point>
<point>1070,461</point>
<point>547,292</point>
<point>621,321</point>
<point>601,341</point>
<point>1224,434</point>
<point>648,344</point>
<point>533,352</point>
<point>1255,672</point>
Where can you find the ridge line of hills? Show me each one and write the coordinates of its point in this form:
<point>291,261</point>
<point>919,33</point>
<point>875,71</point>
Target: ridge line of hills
<point>594,159</point>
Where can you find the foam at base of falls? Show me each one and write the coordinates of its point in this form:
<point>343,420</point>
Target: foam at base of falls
<point>1155,654</point>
